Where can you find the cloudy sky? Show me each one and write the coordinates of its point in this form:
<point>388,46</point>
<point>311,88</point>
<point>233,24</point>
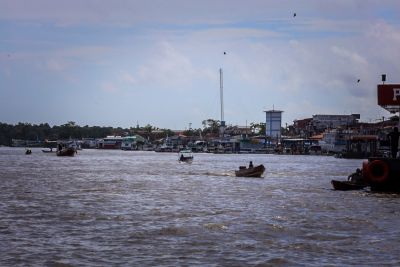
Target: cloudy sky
<point>123,62</point>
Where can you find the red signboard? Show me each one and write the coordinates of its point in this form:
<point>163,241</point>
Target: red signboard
<point>389,95</point>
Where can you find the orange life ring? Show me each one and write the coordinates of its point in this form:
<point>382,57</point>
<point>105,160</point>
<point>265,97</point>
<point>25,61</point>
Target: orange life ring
<point>377,171</point>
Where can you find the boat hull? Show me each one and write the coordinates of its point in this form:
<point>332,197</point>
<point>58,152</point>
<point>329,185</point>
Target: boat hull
<point>70,152</point>
<point>66,148</point>
<point>254,172</point>
<point>186,160</point>
<point>347,185</point>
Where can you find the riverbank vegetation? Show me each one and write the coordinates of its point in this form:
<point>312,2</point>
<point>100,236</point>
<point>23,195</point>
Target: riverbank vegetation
<point>70,130</point>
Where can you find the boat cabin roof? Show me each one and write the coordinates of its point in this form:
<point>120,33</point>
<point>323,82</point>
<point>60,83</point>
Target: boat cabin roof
<point>186,151</point>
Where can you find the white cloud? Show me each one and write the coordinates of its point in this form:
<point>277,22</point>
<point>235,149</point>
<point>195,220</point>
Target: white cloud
<point>349,56</point>
<point>166,68</point>
<point>127,78</point>
<point>109,87</point>
<point>384,32</point>
<point>55,65</point>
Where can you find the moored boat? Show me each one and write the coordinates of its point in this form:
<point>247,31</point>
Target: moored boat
<point>66,148</point>
<point>382,174</point>
<point>256,171</point>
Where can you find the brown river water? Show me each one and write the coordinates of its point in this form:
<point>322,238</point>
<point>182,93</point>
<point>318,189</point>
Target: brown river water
<point>132,208</point>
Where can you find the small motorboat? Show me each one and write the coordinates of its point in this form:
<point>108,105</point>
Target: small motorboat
<point>256,171</point>
<point>347,185</point>
<point>186,156</point>
<point>28,151</point>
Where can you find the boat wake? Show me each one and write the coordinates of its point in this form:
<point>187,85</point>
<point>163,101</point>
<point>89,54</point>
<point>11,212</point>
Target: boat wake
<point>223,174</point>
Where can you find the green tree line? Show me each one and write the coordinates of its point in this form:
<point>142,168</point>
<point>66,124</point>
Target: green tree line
<point>43,131</point>
<point>70,130</point>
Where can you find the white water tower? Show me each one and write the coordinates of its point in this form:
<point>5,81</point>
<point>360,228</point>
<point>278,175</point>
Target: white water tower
<point>273,124</point>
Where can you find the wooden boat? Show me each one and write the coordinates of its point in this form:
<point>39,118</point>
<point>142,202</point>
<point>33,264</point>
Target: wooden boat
<point>66,148</point>
<point>186,156</point>
<point>347,185</point>
<point>256,171</point>
<point>66,152</point>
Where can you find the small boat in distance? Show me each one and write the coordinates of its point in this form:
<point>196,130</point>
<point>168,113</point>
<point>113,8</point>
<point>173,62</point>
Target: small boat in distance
<point>256,171</point>
<point>28,151</point>
<point>67,148</point>
<point>186,156</point>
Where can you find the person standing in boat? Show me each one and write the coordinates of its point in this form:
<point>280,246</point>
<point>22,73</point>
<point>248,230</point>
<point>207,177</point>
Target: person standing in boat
<point>356,177</point>
<point>394,141</point>
<point>251,165</point>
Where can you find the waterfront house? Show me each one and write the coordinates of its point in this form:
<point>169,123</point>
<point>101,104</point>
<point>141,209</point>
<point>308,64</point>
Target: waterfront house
<point>333,141</point>
<point>88,143</point>
<point>110,142</point>
<point>361,146</point>
<point>255,144</point>
<point>132,142</point>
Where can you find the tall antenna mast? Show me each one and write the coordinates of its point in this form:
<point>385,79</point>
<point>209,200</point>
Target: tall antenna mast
<point>221,88</point>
